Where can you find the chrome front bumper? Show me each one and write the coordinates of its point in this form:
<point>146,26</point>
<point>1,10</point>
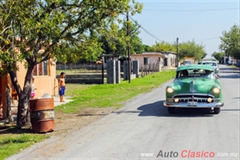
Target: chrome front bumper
<point>199,105</point>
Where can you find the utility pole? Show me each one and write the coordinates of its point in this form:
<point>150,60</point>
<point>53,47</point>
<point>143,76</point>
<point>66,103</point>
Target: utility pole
<point>103,59</point>
<point>128,49</point>
<point>177,53</point>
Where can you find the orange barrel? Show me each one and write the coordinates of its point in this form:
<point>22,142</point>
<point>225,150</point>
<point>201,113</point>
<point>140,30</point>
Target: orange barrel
<point>42,114</point>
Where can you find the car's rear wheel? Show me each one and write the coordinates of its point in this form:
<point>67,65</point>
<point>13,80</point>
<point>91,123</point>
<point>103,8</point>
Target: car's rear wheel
<point>217,110</point>
<point>171,109</point>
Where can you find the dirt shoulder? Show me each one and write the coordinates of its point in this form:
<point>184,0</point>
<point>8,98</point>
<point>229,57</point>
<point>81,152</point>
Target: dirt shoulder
<point>65,122</point>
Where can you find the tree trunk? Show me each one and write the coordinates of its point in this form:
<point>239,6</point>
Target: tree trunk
<point>23,115</point>
<point>8,102</point>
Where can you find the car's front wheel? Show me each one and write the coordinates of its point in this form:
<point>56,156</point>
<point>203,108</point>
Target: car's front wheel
<point>217,110</point>
<point>171,109</point>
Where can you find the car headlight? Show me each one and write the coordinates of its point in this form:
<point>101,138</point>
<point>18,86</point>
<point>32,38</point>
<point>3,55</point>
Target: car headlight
<point>170,90</point>
<point>216,90</point>
<point>176,100</point>
<point>209,100</point>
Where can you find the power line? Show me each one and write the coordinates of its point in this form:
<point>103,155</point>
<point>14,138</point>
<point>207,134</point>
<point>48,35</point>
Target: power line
<point>210,39</point>
<point>162,40</point>
<point>195,10</point>
<point>145,30</point>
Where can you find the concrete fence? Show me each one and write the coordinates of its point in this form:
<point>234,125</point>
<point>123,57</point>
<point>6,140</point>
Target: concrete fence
<point>83,66</point>
<point>89,78</point>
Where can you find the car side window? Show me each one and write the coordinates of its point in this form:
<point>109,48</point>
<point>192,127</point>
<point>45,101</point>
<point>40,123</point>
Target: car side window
<point>184,73</point>
<point>208,74</point>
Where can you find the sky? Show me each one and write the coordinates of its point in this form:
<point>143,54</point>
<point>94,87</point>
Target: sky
<point>200,20</point>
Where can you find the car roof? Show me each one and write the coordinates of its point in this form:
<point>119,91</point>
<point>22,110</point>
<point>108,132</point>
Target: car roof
<point>196,66</point>
<point>208,62</point>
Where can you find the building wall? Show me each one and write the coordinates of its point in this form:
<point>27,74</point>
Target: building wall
<point>153,59</point>
<point>43,84</point>
<point>189,59</point>
<point>3,105</point>
<point>170,60</point>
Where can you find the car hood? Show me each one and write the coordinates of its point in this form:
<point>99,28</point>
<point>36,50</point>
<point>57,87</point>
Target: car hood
<point>193,85</point>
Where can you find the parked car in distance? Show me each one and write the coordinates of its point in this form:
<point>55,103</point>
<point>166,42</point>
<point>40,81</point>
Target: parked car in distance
<point>212,63</point>
<point>187,62</point>
<point>230,62</point>
<point>195,86</point>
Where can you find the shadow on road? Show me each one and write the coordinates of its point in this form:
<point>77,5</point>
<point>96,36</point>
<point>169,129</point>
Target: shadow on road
<point>230,76</point>
<point>159,110</point>
<point>229,68</point>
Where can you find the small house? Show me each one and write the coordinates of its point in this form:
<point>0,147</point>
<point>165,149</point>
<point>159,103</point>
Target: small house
<point>171,59</point>
<point>150,60</point>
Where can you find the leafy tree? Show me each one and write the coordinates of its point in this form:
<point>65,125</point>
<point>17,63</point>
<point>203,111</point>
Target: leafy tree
<point>163,47</point>
<point>218,55</point>
<point>27,27</point>
<point>90,49</point>
<point>191,49</point>
<point>136,45</point>
<point>115,40</point>
<point>111,40</point>
<point>146,48</point>
<point>230,42</point>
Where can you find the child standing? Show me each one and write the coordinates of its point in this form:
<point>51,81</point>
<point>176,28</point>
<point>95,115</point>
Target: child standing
<point>61,86</point>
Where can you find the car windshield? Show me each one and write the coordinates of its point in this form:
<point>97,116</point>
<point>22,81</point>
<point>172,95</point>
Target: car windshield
<point>195,73</point>
<point>209,63</point>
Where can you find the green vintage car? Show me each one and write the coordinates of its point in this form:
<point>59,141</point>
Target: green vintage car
<point>195,86</point>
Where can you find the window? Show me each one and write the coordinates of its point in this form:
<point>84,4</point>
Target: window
<point>41,69</point>
<point>146,60</point>
<point>195,73</point>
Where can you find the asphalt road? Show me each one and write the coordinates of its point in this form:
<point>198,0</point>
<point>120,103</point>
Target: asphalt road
<point>143,129</point>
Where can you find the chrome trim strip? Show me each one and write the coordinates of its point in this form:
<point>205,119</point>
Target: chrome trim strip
<point>197,99</point>
<point>193,94</point>
<point>199,105</point>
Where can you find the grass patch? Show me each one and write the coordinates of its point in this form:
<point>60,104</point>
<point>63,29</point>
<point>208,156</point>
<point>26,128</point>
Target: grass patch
<point>11,144</point>
<point>111,95</point>
<point>71,89</point>
<point>233,66</point>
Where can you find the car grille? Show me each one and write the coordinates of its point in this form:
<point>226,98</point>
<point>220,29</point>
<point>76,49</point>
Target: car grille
<point>193,97</point>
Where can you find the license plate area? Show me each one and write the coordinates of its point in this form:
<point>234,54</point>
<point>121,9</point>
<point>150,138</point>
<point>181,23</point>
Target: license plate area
<point>192,103</point>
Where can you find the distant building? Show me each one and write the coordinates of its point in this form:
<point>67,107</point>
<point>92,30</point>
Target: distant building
<point>171,59</point>
<point>149,59</point>
<point>229,60</point>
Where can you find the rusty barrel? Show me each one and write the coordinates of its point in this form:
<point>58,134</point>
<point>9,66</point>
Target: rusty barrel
<point>42,114</point>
